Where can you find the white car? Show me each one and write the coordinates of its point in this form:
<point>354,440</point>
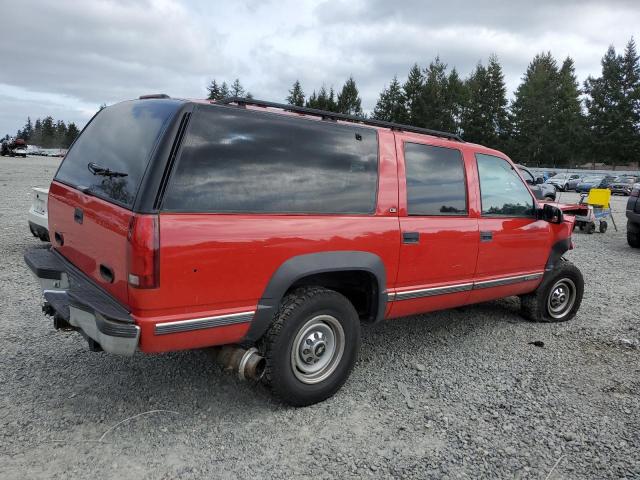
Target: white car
<point>38,216</point>
<point>565,181</point>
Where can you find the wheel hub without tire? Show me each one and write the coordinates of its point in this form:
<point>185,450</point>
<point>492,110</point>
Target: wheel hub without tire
<point>317,349</point>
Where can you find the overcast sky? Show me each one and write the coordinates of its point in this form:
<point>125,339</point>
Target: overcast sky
<point>65,58</point>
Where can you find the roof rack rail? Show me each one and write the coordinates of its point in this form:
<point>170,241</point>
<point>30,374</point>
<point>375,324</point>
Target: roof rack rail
<point>326,115</point>
<point>153,95</point>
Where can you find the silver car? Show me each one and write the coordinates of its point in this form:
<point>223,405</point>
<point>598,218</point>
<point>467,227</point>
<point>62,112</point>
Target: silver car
<point>565,181</point>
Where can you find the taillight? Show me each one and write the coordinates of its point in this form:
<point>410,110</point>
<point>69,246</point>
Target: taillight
<point>143,252</point>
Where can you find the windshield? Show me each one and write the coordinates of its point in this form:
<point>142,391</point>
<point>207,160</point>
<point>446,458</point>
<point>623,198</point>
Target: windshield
<point>111,155</point>
<point>625,180</point>
<point>592,179</point>
<point>560,176</point>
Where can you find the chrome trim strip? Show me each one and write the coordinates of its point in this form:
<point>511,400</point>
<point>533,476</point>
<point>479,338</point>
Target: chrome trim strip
<point>202,323</point>
<point>429,292</point>
<point>462,287</point>
<point>499,282</point>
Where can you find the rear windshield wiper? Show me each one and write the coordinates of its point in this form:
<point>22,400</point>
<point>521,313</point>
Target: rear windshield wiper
<point>105,172</point>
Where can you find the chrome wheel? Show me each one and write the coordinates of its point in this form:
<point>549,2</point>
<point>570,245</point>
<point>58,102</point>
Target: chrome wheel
<point>317,349</point>
<point>562,297</point>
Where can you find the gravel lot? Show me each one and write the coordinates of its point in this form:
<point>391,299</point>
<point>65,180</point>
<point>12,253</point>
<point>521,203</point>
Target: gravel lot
<point>455,394</point>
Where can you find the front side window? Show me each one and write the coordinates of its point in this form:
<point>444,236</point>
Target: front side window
<point>237,160</point>
<point>435,180</point>
<point>502,190</point>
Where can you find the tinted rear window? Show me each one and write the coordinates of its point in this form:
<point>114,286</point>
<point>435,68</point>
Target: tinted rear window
<point>435,180</point>
<point>237,160</point>
<point>120,138</point>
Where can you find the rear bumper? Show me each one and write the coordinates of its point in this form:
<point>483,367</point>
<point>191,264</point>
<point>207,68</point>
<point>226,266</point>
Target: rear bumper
<point>82,304</point>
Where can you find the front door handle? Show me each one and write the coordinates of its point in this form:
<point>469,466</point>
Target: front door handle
<point>410,237</point>
<point>486,236</point>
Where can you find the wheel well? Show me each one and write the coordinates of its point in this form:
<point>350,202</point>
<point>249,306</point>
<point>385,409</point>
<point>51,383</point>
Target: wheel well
<point>358,286</point>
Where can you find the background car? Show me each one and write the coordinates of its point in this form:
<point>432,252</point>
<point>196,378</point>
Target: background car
<point>38,215</point>
<point>541,190</point>
<point>596,181</point>
<point>565,181</point>
<point>623,185</point>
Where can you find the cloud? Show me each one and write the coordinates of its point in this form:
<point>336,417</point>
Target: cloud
<point>65,58</point>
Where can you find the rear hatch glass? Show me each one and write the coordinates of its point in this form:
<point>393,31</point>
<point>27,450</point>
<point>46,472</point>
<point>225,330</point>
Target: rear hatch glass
<point>111,155</point>
<point>91,199</point>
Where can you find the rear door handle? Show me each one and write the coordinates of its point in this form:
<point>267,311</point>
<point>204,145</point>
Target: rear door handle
<point>78,215</point>
<point>410,237</point>
<point>486,236</point>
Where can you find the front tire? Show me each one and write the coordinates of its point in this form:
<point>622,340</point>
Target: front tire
<point>558,297</point>
<point>311,346</point>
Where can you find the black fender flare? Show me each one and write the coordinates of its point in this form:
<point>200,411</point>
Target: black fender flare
<point>557,250</point>
<point>302,266</point>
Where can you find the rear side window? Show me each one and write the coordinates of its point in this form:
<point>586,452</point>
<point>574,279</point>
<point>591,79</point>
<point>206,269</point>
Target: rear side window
<point>502,190</point>
<point>435,180</point>
<point>236,160</point>
<point>118,143</point>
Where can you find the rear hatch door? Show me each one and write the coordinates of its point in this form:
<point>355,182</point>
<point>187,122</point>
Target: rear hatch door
<point>92,198</point>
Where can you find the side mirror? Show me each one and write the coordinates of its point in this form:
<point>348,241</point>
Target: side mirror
<point>530,182</point>
<point>551,213</point>
<point>539,180</point>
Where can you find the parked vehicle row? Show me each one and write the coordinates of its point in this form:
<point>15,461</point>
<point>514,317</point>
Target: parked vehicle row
<point>182,224</point>
<point>14,147</point>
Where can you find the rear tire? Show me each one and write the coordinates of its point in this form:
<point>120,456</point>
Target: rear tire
<point>633,234</point>
<point>311,346</point>
<point>558,297</point>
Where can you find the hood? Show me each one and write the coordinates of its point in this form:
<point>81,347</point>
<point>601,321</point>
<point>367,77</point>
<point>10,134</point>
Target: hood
<point>572,208</point>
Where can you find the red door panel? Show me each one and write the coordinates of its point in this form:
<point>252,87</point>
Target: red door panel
<point>445,254</point>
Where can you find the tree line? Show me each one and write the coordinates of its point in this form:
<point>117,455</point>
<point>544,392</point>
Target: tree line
<point>48,133</point>
<point>551,121</point>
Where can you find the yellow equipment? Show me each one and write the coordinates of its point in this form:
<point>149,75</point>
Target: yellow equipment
<point>598,201</point>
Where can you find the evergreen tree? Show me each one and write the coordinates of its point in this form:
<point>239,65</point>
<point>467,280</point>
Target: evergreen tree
<point>498,96</point>
<point>413,94</point>
<point>332,104</point>
<point>48,132</point>
<point>569,120</point>
<point>60,134</point>
<point>36,136</point>
<point>224,91</point>
<point>476,122</point>
<point>72,134</point>
<point>349,100</point>
<point>323,100</point>
<point>484,116</point>
<point>236,89</point>
<point>454,99</point>
<point>534,109</point>
<point>27,131</point>
<point>391,106</point>
<point>437,111</point>
<point>296,95</point>
<point>612,105</point>
<point>214,91</point>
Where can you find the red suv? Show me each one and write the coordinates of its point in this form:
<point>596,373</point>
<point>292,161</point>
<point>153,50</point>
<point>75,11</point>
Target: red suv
<point>275,231</point>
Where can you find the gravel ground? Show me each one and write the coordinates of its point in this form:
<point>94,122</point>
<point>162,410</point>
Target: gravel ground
<point>455,394</point>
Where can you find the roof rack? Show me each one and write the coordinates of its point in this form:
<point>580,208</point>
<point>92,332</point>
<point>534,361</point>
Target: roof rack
<point>241,101</point>
<point>153,95</point>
